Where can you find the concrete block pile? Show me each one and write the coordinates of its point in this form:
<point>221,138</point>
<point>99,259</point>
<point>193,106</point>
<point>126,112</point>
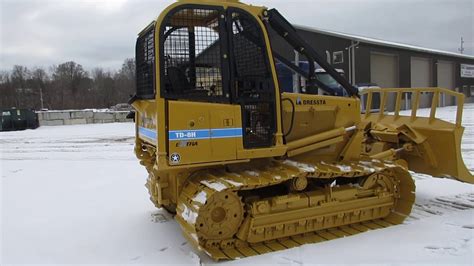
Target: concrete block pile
<point>80,117</point>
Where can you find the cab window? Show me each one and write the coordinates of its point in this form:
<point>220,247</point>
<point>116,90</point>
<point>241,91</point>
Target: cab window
<point>191,57</point>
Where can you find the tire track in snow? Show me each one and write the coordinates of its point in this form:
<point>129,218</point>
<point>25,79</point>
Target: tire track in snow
<point>442,205</point>
<point>454,248</point>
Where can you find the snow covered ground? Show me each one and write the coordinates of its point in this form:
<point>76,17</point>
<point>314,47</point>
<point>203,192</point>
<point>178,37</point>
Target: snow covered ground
<point>76,195</point>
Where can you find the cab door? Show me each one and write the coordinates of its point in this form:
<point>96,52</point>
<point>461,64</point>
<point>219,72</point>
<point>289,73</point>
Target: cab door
<point>251,78</point>
<point>202,124</point>
<point>202,132</point>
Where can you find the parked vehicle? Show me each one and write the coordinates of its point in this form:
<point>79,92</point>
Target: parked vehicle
<point>18,119</point>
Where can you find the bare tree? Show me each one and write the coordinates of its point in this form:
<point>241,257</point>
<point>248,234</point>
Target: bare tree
<point>39,81</point>
<point>66,86</point>
<point>4,76</point>
<point>104,87</point>
<point>7,93</point>
<point>125,80</point>
<point>19,77</point>
<point>67,78</point>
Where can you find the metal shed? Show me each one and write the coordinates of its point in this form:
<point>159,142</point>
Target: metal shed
<point>390,64</point>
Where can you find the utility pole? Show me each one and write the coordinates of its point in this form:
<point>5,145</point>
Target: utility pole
<point>41,98</point>
<point>461,50</point>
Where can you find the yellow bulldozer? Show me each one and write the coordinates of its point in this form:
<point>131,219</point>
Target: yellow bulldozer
<point>247,169</point>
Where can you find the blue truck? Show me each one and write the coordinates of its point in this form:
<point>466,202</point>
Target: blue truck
<point>286,78</point>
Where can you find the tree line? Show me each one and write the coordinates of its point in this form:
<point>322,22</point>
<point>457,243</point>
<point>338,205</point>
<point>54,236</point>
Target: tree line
<point>66,86</point>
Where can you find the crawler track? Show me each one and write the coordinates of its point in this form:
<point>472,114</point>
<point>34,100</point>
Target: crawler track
<point>239,213</point>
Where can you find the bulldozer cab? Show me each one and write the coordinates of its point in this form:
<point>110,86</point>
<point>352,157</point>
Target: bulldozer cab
<point>216,76</point>
<point>215,84</point>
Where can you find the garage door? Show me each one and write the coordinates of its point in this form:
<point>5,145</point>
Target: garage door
<point>421,77</point>
<point>446,80</point>
<point>384,72</point>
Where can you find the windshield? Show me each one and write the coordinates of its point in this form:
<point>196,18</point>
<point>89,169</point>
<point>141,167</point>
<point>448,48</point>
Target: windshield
<point>327,79</point>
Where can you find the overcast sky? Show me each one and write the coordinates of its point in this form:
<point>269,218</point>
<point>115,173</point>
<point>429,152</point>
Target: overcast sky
<point>103,32</point>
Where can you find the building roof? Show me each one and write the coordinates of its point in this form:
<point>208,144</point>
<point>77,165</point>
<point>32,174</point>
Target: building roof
<point>382,42</point>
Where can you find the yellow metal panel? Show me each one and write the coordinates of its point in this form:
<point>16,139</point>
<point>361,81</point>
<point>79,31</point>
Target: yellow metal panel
<point>315,114</point>
<point>188,122</point>
<point>203,132</point>
<point>146,123</point>
<point>224,121</point>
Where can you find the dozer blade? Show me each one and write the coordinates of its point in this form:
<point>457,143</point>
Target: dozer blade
<point>440,154</point>
<point>436,144</point>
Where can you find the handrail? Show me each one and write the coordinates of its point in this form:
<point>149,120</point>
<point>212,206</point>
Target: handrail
<point>415,101</point>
